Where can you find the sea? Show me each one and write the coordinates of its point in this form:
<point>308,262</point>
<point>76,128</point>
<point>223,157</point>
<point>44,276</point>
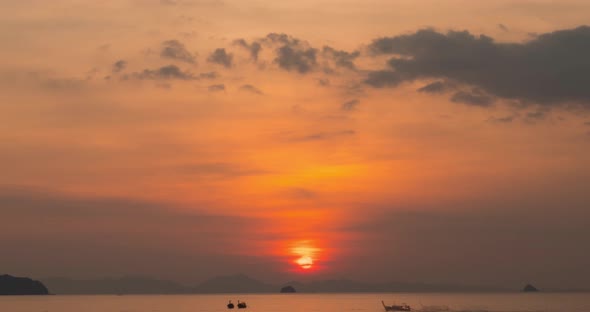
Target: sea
<point>426,302</point>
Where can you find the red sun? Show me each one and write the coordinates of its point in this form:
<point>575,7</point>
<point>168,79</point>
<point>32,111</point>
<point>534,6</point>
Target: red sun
<point>305,262</point>
<point>305,255</point>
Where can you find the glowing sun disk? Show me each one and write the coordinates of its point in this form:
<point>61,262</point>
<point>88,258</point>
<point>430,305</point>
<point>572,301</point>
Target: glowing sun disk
<point>305,262</point>
<point>305,254</point>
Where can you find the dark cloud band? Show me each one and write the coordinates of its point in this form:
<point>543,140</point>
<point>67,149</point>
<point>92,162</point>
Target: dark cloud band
<point>551,69</point>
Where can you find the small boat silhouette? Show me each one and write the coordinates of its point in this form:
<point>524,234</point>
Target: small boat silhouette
<point>394,307</point>
<point>241,305</point>
<point>230,305</point>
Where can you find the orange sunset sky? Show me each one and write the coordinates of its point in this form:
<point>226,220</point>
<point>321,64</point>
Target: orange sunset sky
<point>375,140</point>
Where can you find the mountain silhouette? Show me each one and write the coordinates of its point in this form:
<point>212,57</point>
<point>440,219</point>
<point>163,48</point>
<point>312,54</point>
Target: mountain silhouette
<point>123,285</point>
<point>10,285</point>
<point>288,289</point>
<point>240,283</point>
<point>530,288</point>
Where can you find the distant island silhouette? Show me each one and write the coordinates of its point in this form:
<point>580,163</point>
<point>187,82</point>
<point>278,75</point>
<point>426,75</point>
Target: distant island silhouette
<point>288,289</point>
<point>530,288</point>
<point>11,286</point>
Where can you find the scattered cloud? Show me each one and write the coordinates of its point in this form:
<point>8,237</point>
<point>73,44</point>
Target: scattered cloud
<point>550,69</point>
<point>474,97</point>
<point>119,66</point>
<point>175,50</point>
<point>350,105</point>
<point>353,88</point>
<point>320,136</point>
<point>292,53</point>
<point>221,57</point>
<point>291,59</point>
<point>436,87</point>
<point>63,84</point>
<point>220,169</point>
<point>254,48</point>
<point>216,88</point>
<point>384,78</point>
<point>283,39</point>
<point>341,58</point>
<point>251,88</point>
<point>324,82</point>
<point>52,82</point>
<point>103,48</point>
<point>538,114</point>
<point>166,72</point>
<point>506,119</point>
<point>209,75</point>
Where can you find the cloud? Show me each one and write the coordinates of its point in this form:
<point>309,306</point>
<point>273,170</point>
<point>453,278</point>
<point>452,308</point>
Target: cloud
<point>290,59</point>
<point>550,69</point>
<point>283,39</point>
<point>353,88</point>
<point>473,239</point>
<point>221,57</point>
<point>321,136</point>
<point>209,75</point>
<point>324,82</point>
<point>165,72</point>
<point>384,78</point>
<point>50,81</point>
<point>34,202</point>
<point>63,84</point>
<point>350,105</point>
<point>224,170</point>
<point>251,88</point>
<point>119,66</point>
<point>216,88</point>
<point>292,53</point>
<point>474,97</point>
<point>436,87</point>
<point>254,48</point>
<point>538,114</point>
<point>174,49</point>
<point>341,58</point>
<point>506,119</point>
<point>80,232</point>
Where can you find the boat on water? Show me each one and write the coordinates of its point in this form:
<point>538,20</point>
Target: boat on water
<point>395,307</point>
<point>241,305</point>
<point>230,305</point>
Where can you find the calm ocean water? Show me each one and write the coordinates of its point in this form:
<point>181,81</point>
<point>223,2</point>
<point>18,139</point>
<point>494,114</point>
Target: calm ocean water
<point>579,302</point>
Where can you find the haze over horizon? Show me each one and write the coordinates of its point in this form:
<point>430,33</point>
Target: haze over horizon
<point>377,140</point>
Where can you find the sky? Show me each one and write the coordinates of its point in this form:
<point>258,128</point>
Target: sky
<point>375,140</point>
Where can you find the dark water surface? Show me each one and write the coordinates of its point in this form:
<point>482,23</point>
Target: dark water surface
<point>571,302</point>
